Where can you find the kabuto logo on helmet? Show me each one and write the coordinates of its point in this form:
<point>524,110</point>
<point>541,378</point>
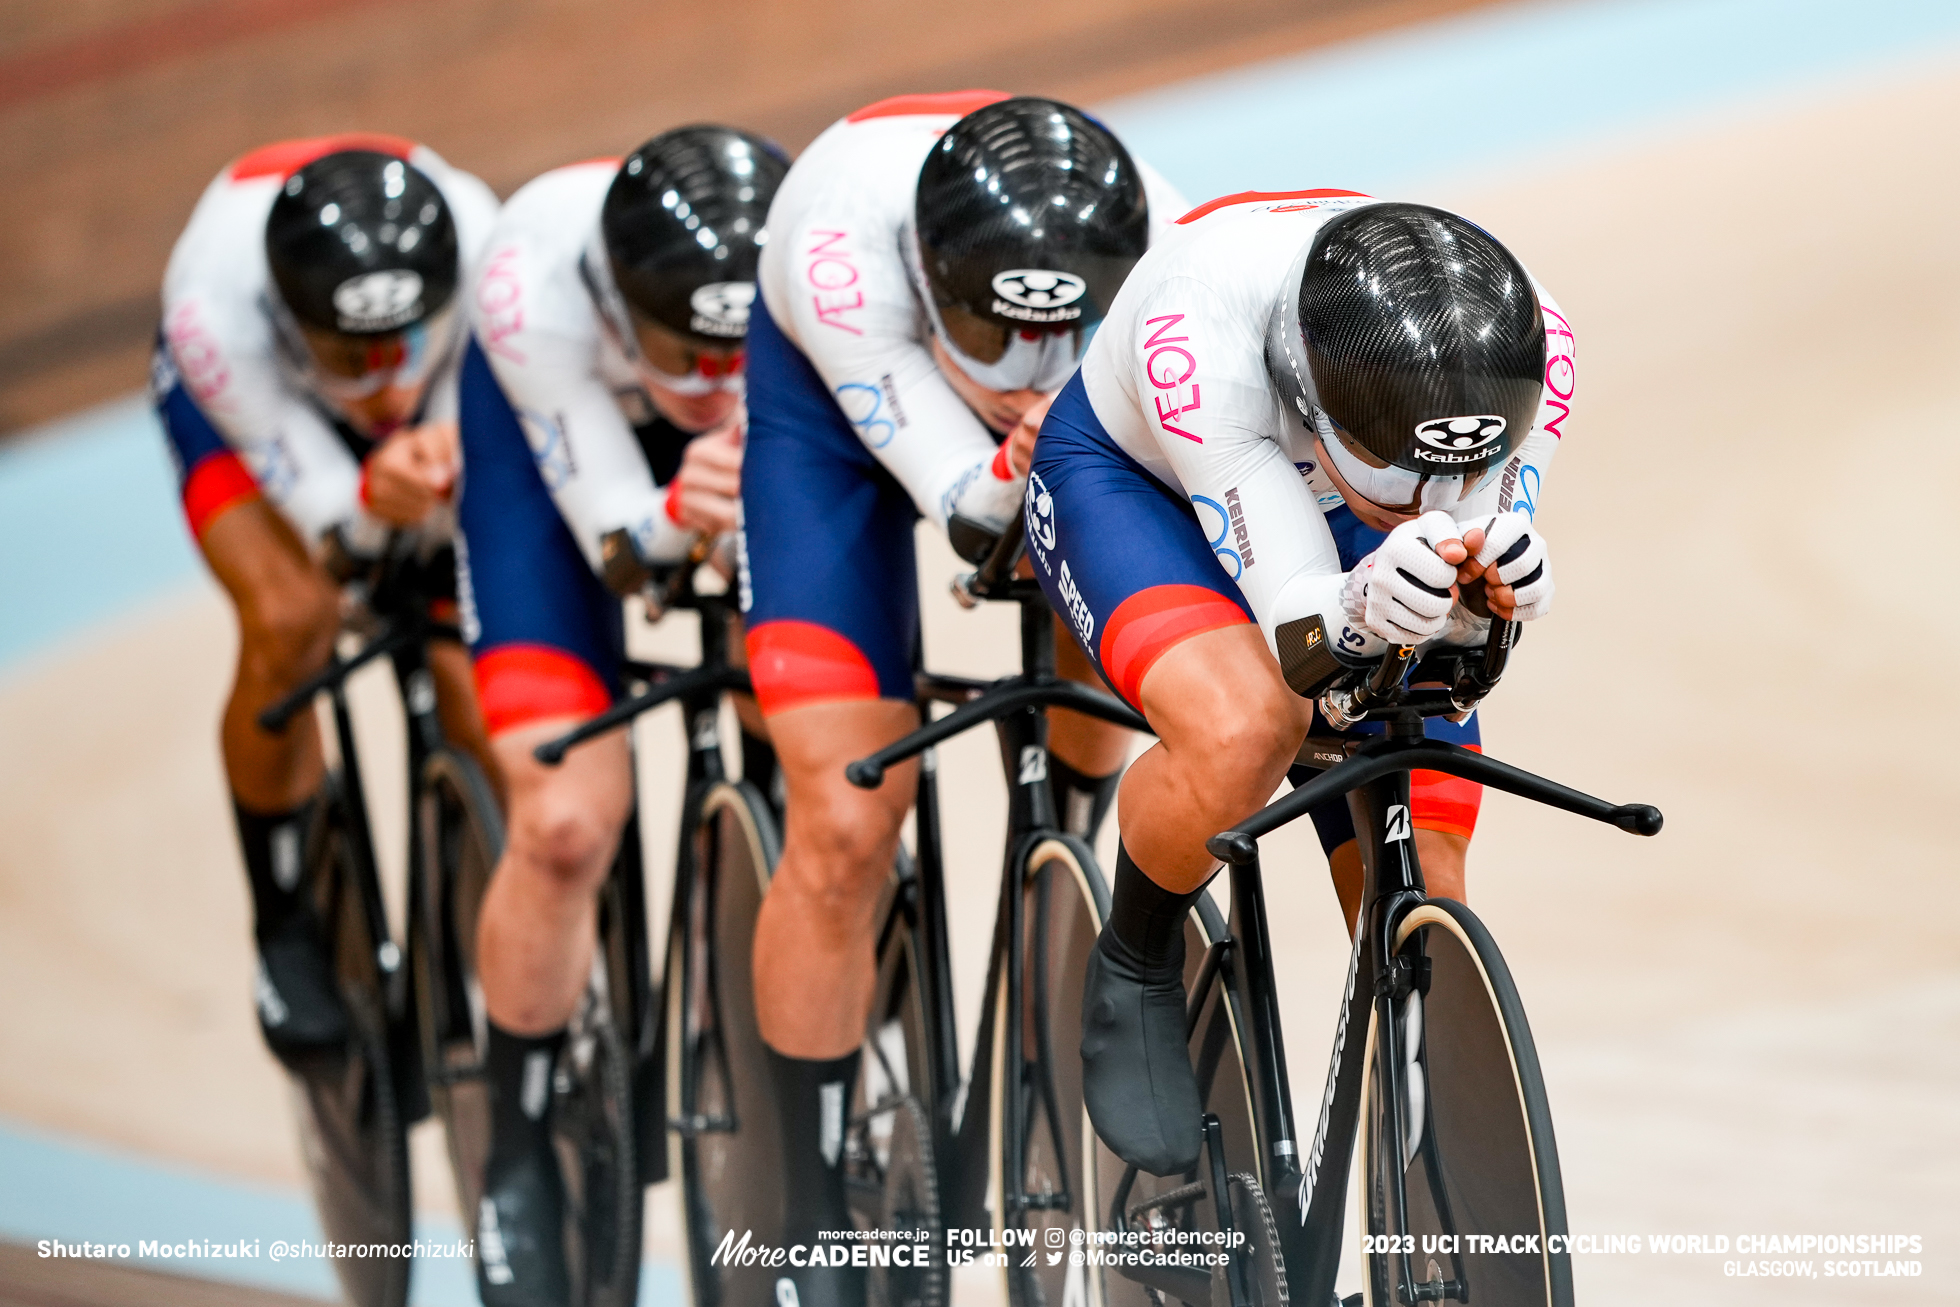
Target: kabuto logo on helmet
<point>1459,439</point>
<point>721,308</point>
<point>1038,295</point>
<point>378,301</point>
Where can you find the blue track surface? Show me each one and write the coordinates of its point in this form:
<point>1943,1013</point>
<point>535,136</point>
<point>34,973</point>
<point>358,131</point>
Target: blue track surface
<point>89,525</point>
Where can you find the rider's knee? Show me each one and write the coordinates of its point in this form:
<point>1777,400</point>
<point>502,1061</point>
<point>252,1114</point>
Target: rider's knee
<point>843,845</point>
<point>1248,747</point>
<point>289,632</point>
<point>564,837</point>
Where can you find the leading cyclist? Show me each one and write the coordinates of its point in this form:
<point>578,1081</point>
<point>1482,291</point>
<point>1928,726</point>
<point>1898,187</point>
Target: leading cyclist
<point>305,374</point>
<point>602,434</point>
<point>936,264</point>
<point>1313,426</point>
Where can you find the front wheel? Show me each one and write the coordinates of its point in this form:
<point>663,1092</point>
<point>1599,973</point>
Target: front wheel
<point>721,1102</point>
<point>1051,1174</point>
<point>351,1129</point>
<point>1462,1196</point>
<point>459,840</point>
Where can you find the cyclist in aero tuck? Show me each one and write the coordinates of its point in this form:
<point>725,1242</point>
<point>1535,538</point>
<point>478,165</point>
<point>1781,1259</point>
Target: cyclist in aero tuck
<point>1313,426</point>
<point>936,264</point>
<point>602,437</point>
<point>305,374</point>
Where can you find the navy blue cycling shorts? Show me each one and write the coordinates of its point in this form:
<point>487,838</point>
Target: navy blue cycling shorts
<point>546,636</point>
<point>1130,565</point>
<point>210,476</point>
<point>830,578</point>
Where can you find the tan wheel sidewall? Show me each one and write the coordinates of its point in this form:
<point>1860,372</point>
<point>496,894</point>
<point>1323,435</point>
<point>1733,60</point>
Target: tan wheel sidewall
<point>1050,850</point>
<point>1428,914</point>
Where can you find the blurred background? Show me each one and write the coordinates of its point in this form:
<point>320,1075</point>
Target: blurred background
<point>1748,1025</point>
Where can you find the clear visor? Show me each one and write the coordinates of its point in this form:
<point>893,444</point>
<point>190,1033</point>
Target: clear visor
<point>345,369</point>
<point>1008,358</point>
<point>1384,485</point>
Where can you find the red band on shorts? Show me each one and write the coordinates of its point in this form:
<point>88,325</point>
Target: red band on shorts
<point>523,683</point>
<point>1145,626</point>
<point>957,103</point>
<point>796,663</point>
<point>285,158</point>
<point>214,485</point>
<point>1441,802</point>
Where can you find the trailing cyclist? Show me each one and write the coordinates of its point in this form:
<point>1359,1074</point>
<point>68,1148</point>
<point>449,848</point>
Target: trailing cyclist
<point>602,436</point>
<point>305,374</point>
<point>936,265</point>
<point>1314,426</point>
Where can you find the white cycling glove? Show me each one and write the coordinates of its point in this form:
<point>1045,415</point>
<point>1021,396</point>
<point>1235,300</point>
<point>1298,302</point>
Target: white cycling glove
<point>1401,592</point>
<point>1515,551</point>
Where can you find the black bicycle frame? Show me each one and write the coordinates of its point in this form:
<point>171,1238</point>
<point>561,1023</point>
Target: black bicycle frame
<point>404,642</point>
<point>1309,1190</point>
<point>1016,707</point>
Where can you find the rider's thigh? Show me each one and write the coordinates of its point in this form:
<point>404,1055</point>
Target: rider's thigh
<point>838,833</point>
<point>1225,716</point>
<point>458,710</point>
<point>1442,854</point>
<point>288,607</point>
<point>1092,747</point>
<point>565,821</point>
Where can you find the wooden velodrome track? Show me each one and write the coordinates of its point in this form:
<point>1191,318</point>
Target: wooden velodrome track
<point>1750,1025</point>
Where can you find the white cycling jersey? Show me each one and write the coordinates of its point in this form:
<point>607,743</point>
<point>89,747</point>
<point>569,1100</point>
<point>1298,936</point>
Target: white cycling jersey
<point>1177,377</point>
<point>837,280</point>
<point>553,326</point>
<point>222,342</point>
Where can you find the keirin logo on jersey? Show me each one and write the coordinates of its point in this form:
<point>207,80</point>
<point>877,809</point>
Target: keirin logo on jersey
<point>1459,439</point>
<point>378,301</point>
<point>721,308</point>
<point>1038,295</point>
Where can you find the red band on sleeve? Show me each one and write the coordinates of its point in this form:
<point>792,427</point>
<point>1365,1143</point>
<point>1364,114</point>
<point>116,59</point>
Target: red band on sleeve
<point>1145,626</point>
<point>1441,802</point>
<point>1003,470</point>
<point>673,505</point>
<point>214,485</point>
<point>798,663</point>
<point>523,683</point>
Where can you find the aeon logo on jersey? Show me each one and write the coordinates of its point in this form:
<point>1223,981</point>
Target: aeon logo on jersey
<point>378,301</point>
<point>1038,295</point>
<point>1458,439</point>
<point>721,308</point>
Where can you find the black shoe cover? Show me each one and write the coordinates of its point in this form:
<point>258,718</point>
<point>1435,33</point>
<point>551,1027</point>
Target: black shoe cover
<point>520,1230</point>
<point>1136,1072</point>
<point>301,1013</point>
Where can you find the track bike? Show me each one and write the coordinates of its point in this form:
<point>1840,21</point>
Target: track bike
<point>1433,1065</point>
<point>610,1112</point>
<point>355,1104</point>
<point>1007,1148</point>
<point>689,1030</point>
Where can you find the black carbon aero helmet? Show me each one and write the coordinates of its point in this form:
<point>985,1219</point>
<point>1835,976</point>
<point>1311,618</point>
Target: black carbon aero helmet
<point>1029,215</point>
<point>683,228</point>
<point>361,243</point>
<point>1423,338</point>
